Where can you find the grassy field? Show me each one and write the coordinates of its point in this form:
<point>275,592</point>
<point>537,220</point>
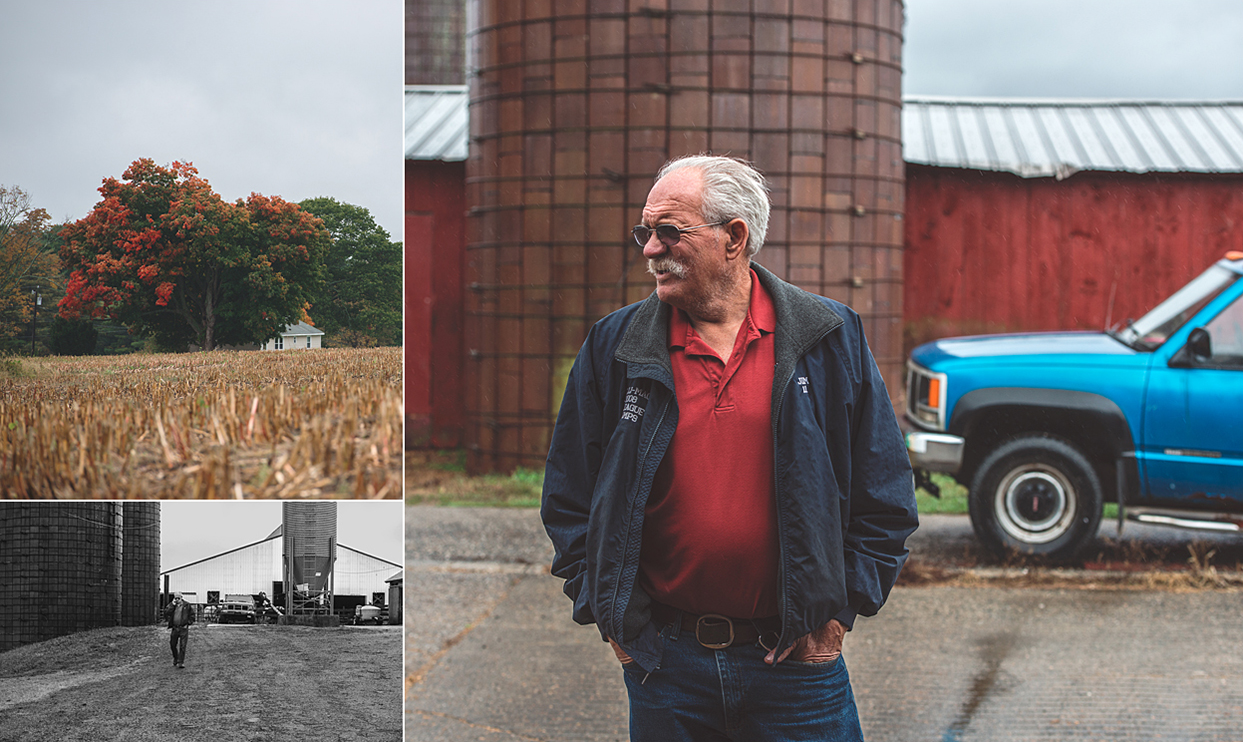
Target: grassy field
<point>224,424</point>
<point>440,478</point>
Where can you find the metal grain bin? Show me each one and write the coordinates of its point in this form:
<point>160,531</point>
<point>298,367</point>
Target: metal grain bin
<point>140,564</point>
<point>310,534</point>
<point>60,569</point>
<point>575,104</point>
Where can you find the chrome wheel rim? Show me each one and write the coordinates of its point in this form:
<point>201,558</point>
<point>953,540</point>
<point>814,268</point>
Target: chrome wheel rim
<point>1035,504</point>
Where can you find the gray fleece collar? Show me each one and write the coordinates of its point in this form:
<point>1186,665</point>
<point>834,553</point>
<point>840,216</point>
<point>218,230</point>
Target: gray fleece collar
<point>802,320</point>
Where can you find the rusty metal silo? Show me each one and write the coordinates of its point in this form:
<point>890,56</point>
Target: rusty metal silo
<point>435,33</point>
<point>140,564</point>
<point>574,107</point>
<point>60,569</point>
<point>309,531</point>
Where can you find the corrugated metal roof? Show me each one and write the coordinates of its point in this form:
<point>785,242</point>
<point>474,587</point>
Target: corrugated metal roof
<point>437,124</point>
<point>1042,138</point>
<point>1028,137</point>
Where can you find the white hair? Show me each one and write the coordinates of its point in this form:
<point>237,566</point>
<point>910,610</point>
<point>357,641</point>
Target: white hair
<point>732,189</point>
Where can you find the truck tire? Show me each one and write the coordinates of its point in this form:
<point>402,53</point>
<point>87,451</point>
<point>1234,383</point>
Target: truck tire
<point>1038,496</point>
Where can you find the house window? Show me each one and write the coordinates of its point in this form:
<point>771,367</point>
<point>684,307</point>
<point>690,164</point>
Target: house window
<point>278,343</point>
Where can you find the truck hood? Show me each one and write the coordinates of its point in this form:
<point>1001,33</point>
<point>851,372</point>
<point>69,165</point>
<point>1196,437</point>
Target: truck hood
<point>1022,344</point>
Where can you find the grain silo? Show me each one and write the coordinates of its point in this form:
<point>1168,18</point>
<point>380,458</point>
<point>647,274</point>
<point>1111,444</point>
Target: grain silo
<point>140,564</point>
<point>573,109</point>
<point>60,569</point>
<point>309,531</point>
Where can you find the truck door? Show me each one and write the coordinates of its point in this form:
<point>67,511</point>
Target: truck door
<point>1193,420</point>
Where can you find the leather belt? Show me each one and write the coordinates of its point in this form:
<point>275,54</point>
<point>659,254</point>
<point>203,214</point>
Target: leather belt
<point>715,631</point>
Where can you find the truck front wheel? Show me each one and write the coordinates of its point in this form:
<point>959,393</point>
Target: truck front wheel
<point>1038,496</point>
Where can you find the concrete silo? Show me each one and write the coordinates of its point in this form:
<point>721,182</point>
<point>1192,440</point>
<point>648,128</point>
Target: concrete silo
<point>309,532</point>
<point>60,569</point>
<point>574,106</point>
<point>140,564</point>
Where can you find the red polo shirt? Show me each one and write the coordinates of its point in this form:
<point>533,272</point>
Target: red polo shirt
<point>710,534</point>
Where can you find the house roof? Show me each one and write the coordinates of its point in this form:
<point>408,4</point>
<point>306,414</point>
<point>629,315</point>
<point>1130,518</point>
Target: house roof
<point>437,122</point>
<point>1042,138</point>
<point>301,328</point>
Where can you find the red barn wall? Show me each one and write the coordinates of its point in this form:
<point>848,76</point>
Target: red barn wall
<point>434,253</point>
<point>993,252</point>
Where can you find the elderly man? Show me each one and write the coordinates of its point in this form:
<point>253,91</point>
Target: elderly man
<point>180,615</point>
<point>727,488</point>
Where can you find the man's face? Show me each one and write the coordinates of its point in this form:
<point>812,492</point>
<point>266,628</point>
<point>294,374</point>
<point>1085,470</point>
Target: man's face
<point>689,273</point>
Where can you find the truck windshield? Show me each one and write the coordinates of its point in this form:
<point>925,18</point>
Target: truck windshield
<point>1153,329</point>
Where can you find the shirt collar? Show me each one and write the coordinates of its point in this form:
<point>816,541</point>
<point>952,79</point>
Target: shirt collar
<point>761,314</point>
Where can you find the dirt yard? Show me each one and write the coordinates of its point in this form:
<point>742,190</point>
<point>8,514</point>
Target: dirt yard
<point>240,683</point>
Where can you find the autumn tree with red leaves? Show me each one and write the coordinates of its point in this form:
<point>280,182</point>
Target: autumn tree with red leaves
<point>164,254</point>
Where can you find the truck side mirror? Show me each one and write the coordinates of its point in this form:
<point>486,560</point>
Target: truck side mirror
<point>1199,348</point>
<point>1200,344</point>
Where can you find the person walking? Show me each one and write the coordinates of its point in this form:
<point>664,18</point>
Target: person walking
<point>180,615</point>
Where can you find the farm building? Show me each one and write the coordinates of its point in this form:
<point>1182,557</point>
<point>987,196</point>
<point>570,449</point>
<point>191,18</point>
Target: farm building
<point>300,335</point>
<point>352,577</point>
<point>436,133</point>
<point>1062,214</point>
<point>396,596</point>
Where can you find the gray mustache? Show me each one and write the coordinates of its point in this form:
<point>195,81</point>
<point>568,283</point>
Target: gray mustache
<point>666,265</point>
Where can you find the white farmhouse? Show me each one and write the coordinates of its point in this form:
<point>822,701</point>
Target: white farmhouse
<point>300,335</point>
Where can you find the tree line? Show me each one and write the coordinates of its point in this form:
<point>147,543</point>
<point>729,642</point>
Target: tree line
<point>166,258</point>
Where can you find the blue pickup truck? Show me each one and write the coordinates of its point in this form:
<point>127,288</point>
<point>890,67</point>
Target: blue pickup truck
<point>1043,428</point>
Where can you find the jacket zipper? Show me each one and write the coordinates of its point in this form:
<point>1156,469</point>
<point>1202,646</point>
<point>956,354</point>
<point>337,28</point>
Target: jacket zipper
<point>781,538</point>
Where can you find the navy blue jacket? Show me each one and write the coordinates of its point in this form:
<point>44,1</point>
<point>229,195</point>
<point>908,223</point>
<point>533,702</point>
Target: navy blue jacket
<point>845,495</point>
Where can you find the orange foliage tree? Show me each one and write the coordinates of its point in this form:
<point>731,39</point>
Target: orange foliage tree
<point>25,260</point>
<point>164,254</point>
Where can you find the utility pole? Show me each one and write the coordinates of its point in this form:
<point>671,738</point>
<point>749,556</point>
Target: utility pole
<point>34,322</point>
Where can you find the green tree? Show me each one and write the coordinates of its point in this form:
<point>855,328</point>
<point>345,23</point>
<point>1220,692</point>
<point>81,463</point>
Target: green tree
<point>73,337</point>
<point>165,255</point>
<point>361,296</point>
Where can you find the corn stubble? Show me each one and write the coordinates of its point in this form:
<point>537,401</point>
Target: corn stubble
<point>224,424</point>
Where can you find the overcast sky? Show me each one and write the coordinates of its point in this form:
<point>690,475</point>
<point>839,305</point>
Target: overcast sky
<point>289,98</point>
<point>192,530</point>
<point>1138,49</point>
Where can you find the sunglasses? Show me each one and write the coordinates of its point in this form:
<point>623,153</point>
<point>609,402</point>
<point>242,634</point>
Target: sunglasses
<point>668,234</point>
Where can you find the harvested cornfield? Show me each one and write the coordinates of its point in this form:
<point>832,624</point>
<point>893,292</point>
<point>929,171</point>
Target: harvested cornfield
<point>223,424</point>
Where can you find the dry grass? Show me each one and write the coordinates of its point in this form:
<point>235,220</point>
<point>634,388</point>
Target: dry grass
<point>225,424</point>
<point>1142,573</point>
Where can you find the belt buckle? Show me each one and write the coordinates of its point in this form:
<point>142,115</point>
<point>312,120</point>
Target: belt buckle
<point>713,622</point>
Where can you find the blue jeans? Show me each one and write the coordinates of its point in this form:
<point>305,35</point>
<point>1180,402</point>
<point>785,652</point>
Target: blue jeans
<point>177,639</point>
<point>701,695</point>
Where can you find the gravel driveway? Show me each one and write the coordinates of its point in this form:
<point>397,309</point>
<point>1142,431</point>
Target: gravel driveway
<point>240,683</point>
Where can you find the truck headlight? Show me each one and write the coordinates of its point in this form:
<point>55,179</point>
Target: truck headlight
<point>925,396</point>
